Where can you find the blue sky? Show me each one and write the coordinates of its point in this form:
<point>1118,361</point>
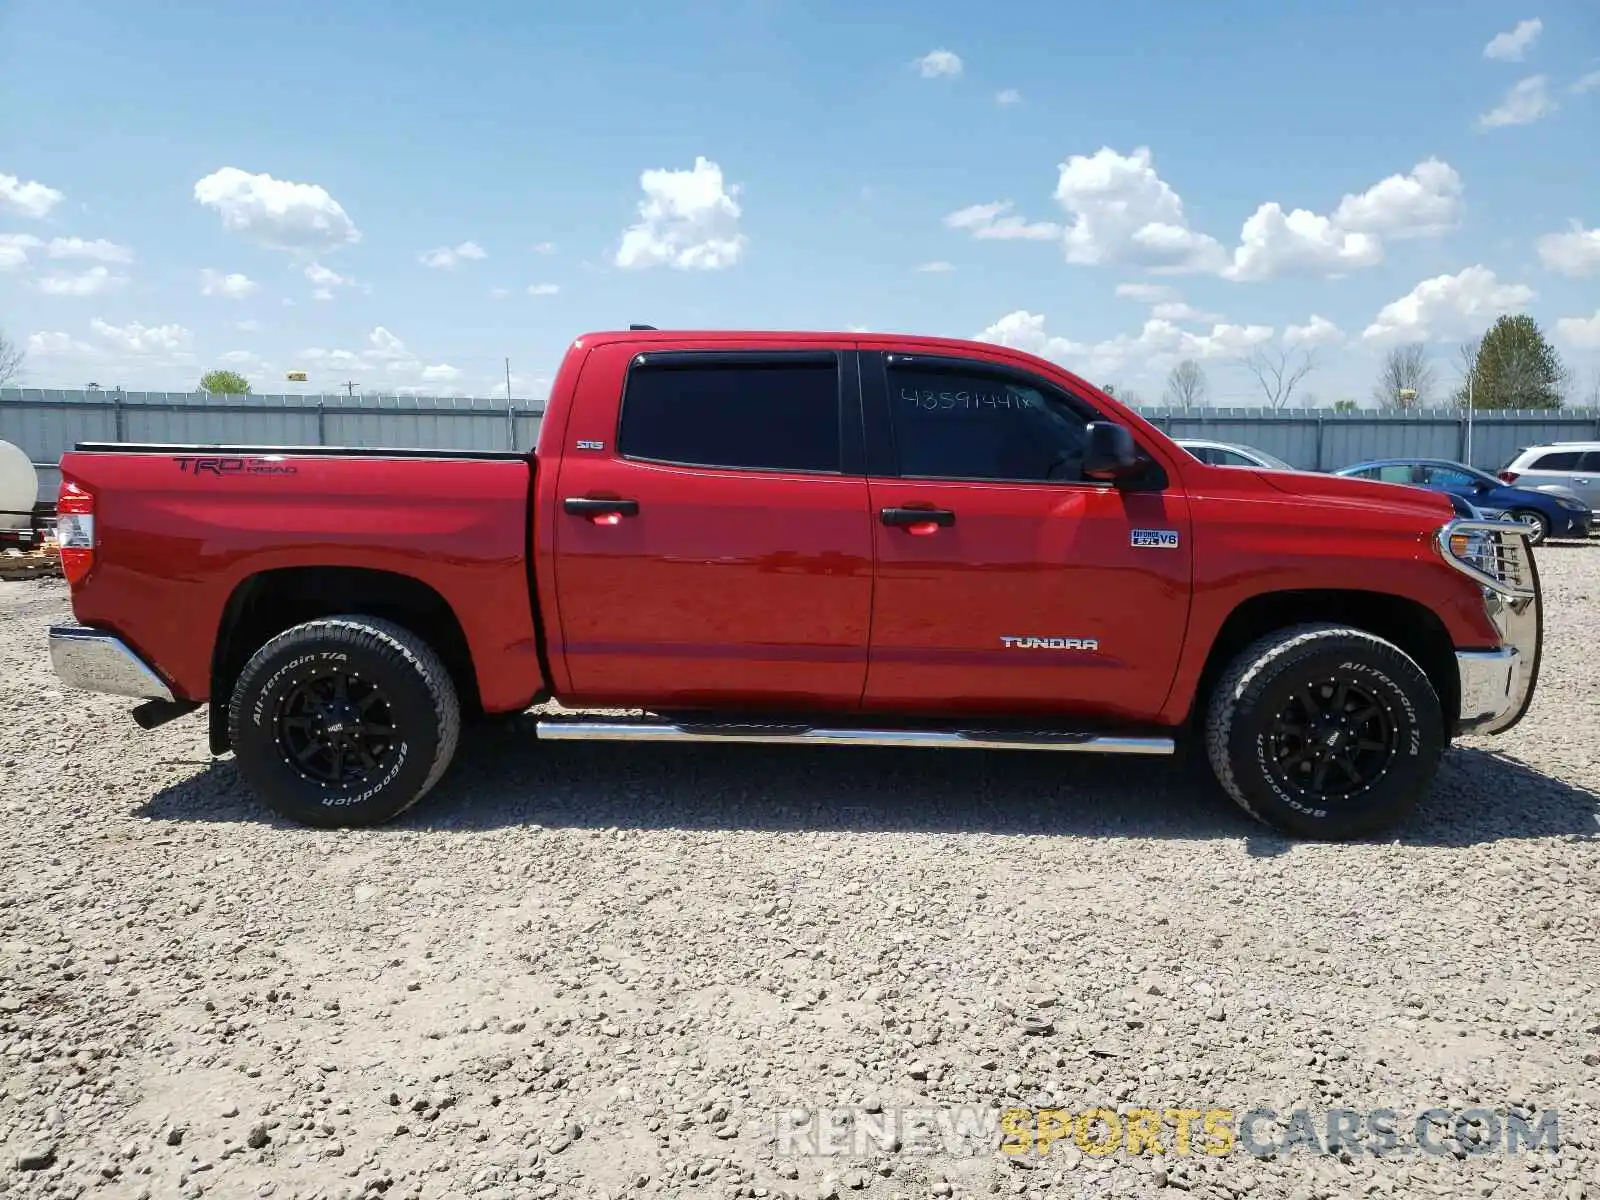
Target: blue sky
<point>405,194</point>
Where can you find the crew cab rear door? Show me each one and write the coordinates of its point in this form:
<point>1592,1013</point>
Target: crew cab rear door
<point>1006,581</point>
<point>713,546</point>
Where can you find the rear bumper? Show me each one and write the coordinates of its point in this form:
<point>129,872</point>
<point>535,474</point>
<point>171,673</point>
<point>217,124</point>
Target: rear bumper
<point>93,660</point>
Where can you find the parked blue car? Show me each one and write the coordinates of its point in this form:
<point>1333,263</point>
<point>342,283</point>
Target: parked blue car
<point>1543,514</point>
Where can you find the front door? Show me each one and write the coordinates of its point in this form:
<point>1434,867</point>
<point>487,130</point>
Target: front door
<point>1005,580</point>
<point>713,547</point>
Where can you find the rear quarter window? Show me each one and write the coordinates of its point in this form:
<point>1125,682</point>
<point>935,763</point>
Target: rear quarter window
<point>1559,460</point>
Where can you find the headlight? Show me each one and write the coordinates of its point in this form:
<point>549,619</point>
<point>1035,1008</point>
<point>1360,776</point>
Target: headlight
<point>1572,505</point>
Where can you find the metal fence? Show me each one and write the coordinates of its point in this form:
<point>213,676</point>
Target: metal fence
<point>46,423</point>
<point>1323,440</point>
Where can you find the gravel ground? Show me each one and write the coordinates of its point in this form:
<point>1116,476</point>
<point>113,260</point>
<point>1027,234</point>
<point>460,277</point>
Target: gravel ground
<point>586,970</point>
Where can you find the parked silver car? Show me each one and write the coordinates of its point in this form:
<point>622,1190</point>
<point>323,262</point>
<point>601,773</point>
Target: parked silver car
<point>1572,467</point>
<point>1232,454</point>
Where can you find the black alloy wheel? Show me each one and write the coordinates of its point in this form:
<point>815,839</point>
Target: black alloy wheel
<point>1334,739</point>
<point>336,728</point>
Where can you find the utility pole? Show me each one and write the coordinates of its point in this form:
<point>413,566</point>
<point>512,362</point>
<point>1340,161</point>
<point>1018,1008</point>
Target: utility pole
<point>350,388</point>
<point>508,380</point>
<point>1470,374</point>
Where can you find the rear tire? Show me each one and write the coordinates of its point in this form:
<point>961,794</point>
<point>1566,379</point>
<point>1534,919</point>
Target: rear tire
<point>343,721</point>
<point>1325,732</point>
<point>1537,524</point>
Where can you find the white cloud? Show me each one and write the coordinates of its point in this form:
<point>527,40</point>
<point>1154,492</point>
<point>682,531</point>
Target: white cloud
<point>1447,305</point>
<point>249,325</point>
<point>1147,292</point>
<point>934,268</point>
<point>996,221</point>
<point>325,277</point>
<point>15,248</point>
<point>384,345</point>
<point>277,213</point>
<point>543,289</point>
<point>1583,332</point>
<point>442,373</point>
<point>499,293</point>
<point>31,199</point>
<point>140,339</point>
<point>447,258</point>
<point>938,63</point>
<point>544,248</point>
<point>1008,96</point>
<point>1585,83</point>
<point>1427,201</point>
<point>1315,332</point>
<point>99,250</point>
<point>233,286</point>
<point>1274,243</point>
<point>1158,344</point>
<point>59,345</point>
<point>1124,212</point>
<point>1575,253</point>
<point>1524,103</point>
<point>1512,45</point>
<point>1177,310</point>
<point>340,360</point>
<point>243,358</point>
<point>92,282</point>
<point>1023,330</point>
<point>688,220</point>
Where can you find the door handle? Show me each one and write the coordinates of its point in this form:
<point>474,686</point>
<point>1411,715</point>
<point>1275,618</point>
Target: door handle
<point>921,521</point>
<point>600,511</point>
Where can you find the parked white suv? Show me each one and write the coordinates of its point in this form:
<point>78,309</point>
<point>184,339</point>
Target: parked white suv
<point>1574,466</point>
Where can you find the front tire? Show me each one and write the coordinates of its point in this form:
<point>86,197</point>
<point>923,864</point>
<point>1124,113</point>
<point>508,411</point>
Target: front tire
<point>1536,523</point>
<point>343,721</point>
<point>1325,732</point>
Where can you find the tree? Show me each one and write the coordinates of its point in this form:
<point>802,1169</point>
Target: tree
<point>1186,385</point>
<point>1343,406</point>
<point>1515,367</point>
<point>10,360</point>
<point>1278,373</point>
<point>225,383</point>
<point>1405,369</point>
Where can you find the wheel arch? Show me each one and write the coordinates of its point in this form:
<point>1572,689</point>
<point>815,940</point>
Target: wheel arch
<point>265,604</point>
<point>1409,624</point>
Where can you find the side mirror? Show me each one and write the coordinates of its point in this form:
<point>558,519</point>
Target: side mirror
<point>1111,454</point>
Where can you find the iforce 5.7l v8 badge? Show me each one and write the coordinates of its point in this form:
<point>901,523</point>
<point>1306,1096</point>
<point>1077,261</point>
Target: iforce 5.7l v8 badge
<point>1154,539</point>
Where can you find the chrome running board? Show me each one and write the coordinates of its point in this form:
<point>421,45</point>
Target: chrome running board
<point>583,730</point>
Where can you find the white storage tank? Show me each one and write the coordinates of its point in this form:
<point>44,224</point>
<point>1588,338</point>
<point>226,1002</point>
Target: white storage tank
<point>19,489</point>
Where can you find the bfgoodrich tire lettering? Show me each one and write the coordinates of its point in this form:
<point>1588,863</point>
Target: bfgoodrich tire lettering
<point>380,689</point>
<point>1330,704</point>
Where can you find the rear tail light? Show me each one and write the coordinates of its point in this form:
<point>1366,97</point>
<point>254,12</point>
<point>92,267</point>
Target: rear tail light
<point>1509,476</point>
<point>75,531</point>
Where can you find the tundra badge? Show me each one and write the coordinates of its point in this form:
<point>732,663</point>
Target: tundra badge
<point>1154,539</point>
<point>1049,643</point>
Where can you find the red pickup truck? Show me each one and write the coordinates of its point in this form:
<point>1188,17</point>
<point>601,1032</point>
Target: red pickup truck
<point>798,539</point>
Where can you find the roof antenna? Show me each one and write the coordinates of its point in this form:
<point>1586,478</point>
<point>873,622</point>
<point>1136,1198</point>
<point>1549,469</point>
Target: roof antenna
<point>635,327</point>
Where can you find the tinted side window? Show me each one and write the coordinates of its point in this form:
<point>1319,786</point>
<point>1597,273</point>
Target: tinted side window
<point>1561,460</point>
<point>1590,461</point>
<point>966,425</point>
<point>1445,477</point>
<point>1231,458</point>
<point>1395,473</point>
<point>782,417</point>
